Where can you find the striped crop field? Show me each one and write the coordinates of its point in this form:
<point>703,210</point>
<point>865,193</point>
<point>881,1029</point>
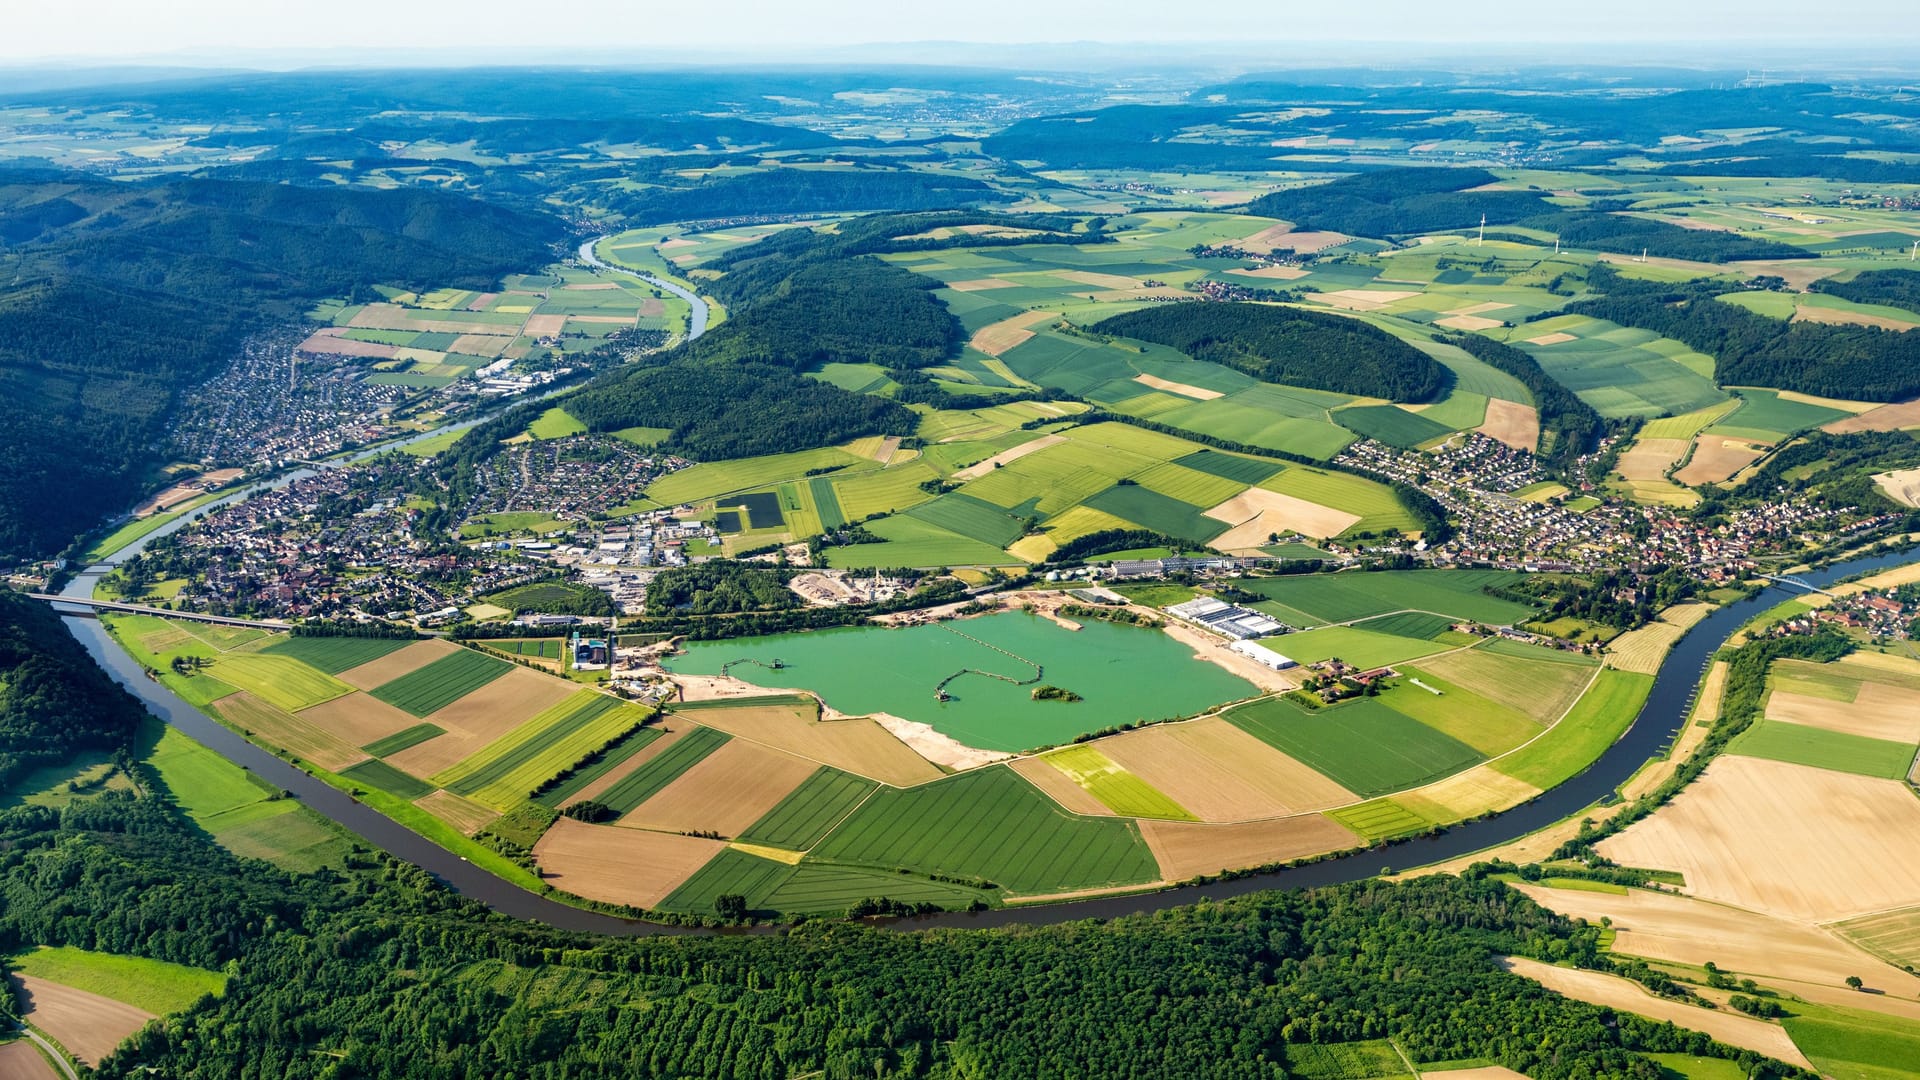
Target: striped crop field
<point>507,770</point>
<point>334,655</point>
<point>401,740</point>
<point>648,780</point>
<point>1116,788</point>
<point>990,824</point>
<point>442,682</point>
<point>280,680</point>
<point>561,793</point>
<point>811,810</point>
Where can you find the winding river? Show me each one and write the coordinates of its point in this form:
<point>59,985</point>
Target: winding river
<point>1659,720</point>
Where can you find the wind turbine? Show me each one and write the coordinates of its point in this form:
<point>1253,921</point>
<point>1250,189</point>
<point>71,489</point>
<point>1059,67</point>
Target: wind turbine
<point>1915,253</point>
<point>1483,231</point>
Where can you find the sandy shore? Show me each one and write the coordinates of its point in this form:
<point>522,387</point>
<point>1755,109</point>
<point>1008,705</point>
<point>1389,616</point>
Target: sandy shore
<point>935,747</point>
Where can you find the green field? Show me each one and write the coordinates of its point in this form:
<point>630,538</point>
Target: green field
<point>401,740</point>
<point>383,777</point>
<point>1314,599</point>
<point>1855,1044</point>
<point>537,648</point>
<point>442,682</point>
<point>1344,1061</point>
<point>1777,740</point>
<point>810,811</point>
<point>1236,467</point>
<point>1487,726</point>
<point>155,643</point>
<point>555,424</point>
<point>1363,745</point>
<point>280,680</point>
<point>964,515</point>
<point>1765,416</point>
<point>1361,648</point>
<point>1393,425</point>
<point>1412,624</point>
<point>507,770</point>
<point>990,824</point>
<point>827,889</point>
<point>562,793</point>
<point>1622,371</point>
<point>708,479</point>
<point>647,781</point>
<point>1116,788</point>
<point>912,542</point>
<point>1151,510</point>
<point>730,872</point>
<point>153,985</point>
<point>1375,504</point>
<point>239,811</point>
<point>1593,724</point>
<point>334,655</point>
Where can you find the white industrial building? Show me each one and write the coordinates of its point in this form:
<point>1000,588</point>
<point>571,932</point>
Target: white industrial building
<point>1227,619</point>
<point>1262,655</point>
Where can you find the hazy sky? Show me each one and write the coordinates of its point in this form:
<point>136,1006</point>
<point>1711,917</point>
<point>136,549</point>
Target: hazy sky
<point>209,29</point>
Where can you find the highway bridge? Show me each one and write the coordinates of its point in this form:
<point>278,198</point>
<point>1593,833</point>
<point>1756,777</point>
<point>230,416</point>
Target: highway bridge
<point>143,609</point>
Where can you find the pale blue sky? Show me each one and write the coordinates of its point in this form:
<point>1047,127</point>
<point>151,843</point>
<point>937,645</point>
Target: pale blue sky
<point>209,29</point>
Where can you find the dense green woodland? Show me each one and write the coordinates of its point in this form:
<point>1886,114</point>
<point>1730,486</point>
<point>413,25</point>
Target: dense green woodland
<point>54,701</point>
<point>805,191</point>
<point>1896,288</point>
<point>1865,363</point>
<point>1289,345</point>
<point>719,587</point>
<point>149,289</point>
<point>1390,202</point>
<point>1600,229</point>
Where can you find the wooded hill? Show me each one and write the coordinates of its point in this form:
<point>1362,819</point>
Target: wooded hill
<point>1895,288</point>
<point>119,296</point>
<point>1289,345</point>
<point>1392,202</point>
<point>1864,363</point>
<point>805,191</point>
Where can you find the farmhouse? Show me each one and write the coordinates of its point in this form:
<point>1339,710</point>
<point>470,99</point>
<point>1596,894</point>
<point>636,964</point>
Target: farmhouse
<point>1262,655</point>
<point>1227,619</point>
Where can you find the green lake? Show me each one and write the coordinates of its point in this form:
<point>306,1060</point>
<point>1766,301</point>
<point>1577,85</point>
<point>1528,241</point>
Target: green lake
<point>1124,673</point>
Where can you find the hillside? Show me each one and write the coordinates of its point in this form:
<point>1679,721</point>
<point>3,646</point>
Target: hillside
<point>124,294</point>
<point>1289,345</point>
<point>1390,202</point>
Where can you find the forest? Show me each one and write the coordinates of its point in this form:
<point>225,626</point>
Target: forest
<point>1289,345</point>
<point>109,315</point>
<point>54,700</point>
<point>719,587</point>
<point>1390,202</point>
<point>1569,427</point>
<point>1895,288</point>
<point>373,969</point>
<point>805,191</point>
<point>1864,363</point>
<point>1624,234</point>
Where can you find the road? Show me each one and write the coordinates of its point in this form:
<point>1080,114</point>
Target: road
<point>696,320</point>
<point>144,609</point>
<point>53,1052</point>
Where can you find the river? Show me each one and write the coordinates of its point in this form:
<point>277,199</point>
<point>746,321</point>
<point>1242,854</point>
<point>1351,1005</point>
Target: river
<point>696,317</point>
<point>1659,720</point>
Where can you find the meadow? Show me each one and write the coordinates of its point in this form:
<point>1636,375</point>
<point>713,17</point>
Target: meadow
<point>990,824</point>
<point>1363,745</point>
<point>1116,788</point>
<point>334,655</point>
<point>1316,599</point>
<point>810,811</point>
<point>1823,749</point>
<point>155,986</point>
<point>1594,723</point>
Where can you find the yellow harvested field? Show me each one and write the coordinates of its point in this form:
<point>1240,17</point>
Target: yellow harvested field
<point>1099,281</point>
<point>1838,317</point>
<point>1884,662</point>
<point>859,746</point>
<point>1788,840</point>
<point>463,814</point>
<point>1079,521</point>
<point>982,284</point>
<point>298,736</point>
<point>980,469</point>
<point>88,1025</point>
<point>1879,712</point>
<point>1468,322</point>
<point>1363,299</point>
<point>1891,935</point>
<point>477,719</point>
<point>1280,273</point>
<point>619,866</point>
<point>1895,417</point>
<point>1198,393</point>
<point>1614,992</point>
<point>1186,849</point>
<point>1715,458</point>
<point>602,320</point>
<point>397,663</point>
<point>1479,309</point>
<point>1480,790</point>
<point>480,345</point>
<point>672,732</point>
<point>545,325</point>
<point>1005,334</point>
<point>1551,339</point>
<point>1512,423</point>
<point>1060,788</point>
<point>1649,459</point>
<point>1642,650</point>
<point>726,792</point>
<point>1257,513</point>
<point>1843,404</point>
<point>1266,239</point>
<point>391,317</point>
<point>1902,486</point>
<point>358,719</point>
<point>1220,772</point>
<point>1676,929</point>
<point>20,1061</point>
<point>1034,548</point>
